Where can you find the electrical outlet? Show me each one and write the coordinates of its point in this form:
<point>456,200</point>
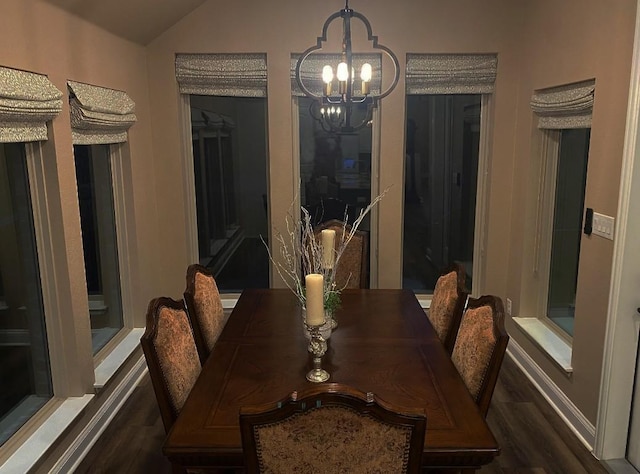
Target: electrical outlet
<point>508,306</point>
<point>603,225</point>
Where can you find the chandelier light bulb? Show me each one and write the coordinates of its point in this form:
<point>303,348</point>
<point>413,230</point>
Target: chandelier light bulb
<point>343,72</point>
<point>327,74</point>
<point>365,72</point>
<point>327,77</point>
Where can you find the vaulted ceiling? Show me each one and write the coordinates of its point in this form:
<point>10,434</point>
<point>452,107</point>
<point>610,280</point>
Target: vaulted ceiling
<point>137,20</point>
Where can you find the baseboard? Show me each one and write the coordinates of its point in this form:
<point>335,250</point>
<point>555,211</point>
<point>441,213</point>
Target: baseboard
<point>583,429</point>
<point>72,457</point>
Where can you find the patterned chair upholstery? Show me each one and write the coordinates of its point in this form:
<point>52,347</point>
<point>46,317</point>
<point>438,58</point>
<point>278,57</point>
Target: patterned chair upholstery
<point>480,347</point>
<point>205,309</point>
<point>447,305</point>
<point>353,269</point>
<point>171,354</point>
<point>332,428</point>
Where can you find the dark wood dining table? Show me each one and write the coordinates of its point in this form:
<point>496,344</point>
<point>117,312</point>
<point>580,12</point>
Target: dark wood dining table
<point>383,344</point>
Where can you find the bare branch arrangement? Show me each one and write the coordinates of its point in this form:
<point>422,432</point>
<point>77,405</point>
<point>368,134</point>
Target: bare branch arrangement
<point>302,253</point>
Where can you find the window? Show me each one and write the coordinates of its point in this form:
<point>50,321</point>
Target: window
<point>564,121</point>
<point>25,371</point>
<point>27,102</point>
<point>446,150</point>
<point>99,241</point>
<point>100,119</point>
<point>225,167</point>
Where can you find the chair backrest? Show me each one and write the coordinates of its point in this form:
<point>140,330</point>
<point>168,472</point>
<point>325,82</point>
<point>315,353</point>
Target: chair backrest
<point>205,309</point>
<point>353,268</point>
<point>332,428</point>
<point>480,347</point>
<point>170,352</point>
<point>447,304</point>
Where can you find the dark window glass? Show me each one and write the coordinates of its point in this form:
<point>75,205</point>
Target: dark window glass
<point>230,170</point>
<point>442,146</point>
<point>567,226</point>
<point>25,371</point>
<point>99,241</point>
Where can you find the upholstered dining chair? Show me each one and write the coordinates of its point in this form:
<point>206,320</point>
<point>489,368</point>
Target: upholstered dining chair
<point>171,355</point>
<point>447,304</point>
<point>205,308</point>
<point>480,346</point>
<point>332,428</point>
<point>353,269</point>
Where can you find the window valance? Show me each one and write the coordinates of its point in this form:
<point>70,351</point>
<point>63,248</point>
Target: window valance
<point>311,71</point>
<point>568,106</point>
<point>27,102</point>
<point>99,115</point>
<point>451,73</point>
<point>235,75</point>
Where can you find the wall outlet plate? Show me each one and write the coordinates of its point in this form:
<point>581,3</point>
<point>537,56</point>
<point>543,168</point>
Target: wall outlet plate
<point>603,225</point>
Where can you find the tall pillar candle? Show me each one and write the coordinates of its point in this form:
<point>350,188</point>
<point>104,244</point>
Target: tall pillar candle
<point>328,247</point>
<point>314,283</point>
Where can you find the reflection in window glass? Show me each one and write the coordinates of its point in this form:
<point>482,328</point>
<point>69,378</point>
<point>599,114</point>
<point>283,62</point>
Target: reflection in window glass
<point>230,171</point>
<point>99,243</point>
<point>442,146</point>
<point>567,226</point>
<point>335,169</point>
<point>25,372</point>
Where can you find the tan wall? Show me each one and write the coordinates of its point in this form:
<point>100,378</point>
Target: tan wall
<point>596,43</point>
<point>43,39</point>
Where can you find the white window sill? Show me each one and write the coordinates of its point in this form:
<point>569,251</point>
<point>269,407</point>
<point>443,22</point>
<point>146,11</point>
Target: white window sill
<point>26,456</point>
<point>110,364</point>
<point>45,436</point>
<point>556,347</point>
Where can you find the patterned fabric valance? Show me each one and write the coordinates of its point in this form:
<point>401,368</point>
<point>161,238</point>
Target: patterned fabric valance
<point>451,73</point>
<point>311,71</point>
<point>568,106</point>
<point>99,115</point>
<point>27,102</point>
<point>235,75</point>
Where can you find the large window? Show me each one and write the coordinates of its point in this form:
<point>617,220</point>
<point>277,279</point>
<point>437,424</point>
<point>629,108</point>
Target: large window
<point>230,169</point>
<point>446,166</point>
<point>25,371</point>
<point>99,241</point>
<point>564,119</point>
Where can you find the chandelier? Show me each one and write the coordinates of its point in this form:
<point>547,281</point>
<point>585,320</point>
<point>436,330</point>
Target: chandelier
<point>346,104</point>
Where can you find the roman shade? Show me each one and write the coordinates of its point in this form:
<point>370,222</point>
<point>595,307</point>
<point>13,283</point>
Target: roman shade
<point>27,102</point>
<point>235,75</point>
<point>99,115</point>
<point>568,106</point>
<point>451,73</point>
<point>311,71</point>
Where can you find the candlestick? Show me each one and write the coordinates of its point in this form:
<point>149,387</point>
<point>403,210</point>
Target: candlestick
<point>328,247</point>
<point>317,347</point>
<point>314,283</point>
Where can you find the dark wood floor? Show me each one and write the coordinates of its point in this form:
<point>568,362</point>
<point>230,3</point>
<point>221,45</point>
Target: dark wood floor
<point>534,440</point>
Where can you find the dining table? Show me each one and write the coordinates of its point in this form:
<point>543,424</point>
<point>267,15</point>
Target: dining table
<point>383,344</point>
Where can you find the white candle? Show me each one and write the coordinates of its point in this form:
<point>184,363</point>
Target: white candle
<point>314,283</point>
<point>328,244</point>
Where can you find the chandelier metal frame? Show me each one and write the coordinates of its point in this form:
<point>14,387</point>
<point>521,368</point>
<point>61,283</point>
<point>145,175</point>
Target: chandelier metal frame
<point>341,122</point>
